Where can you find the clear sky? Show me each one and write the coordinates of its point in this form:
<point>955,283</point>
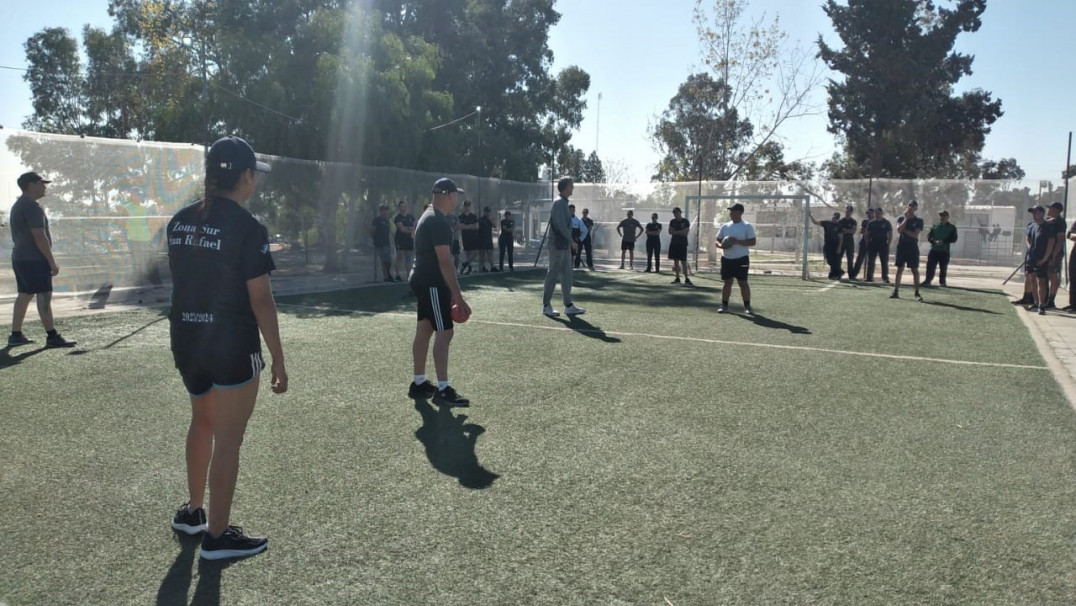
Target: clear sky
<point>639,51</point>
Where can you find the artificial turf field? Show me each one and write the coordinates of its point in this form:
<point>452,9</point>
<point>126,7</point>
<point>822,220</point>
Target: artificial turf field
<point>839,448</point>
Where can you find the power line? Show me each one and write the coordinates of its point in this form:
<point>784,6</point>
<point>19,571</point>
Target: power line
<point>452,122</point>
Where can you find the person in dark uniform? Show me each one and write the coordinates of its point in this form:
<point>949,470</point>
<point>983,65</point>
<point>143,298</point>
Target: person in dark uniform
<point>941,235</point>
<point>831,244</point>
<point>32,262</point>
<point>861,254</point>
<point>405,242</point>
<point>1040,245</point>
<point>908,226</point>
<point>506,242</point>
<point>848,227</point>
<point>379,229</point>
<point>1071,235</point>
<point>1057,260</point>
<point>221,298</point>
<point>485,240</point>
<point>629,230</point>
<point>454,223</point>
<point>879,234</point>
<point>433,281</point>
<point>469,233</point>
<point>588,240</point>
<point>653,244</point>
<point>579,233</point>
<point>679,228</point>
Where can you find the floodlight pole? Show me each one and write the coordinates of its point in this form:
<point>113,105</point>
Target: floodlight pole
<point>1068,163</point>
<point>806,233</point>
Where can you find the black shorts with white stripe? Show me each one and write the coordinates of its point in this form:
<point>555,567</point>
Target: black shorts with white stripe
<point>217,369</point>
<point>435,305</point>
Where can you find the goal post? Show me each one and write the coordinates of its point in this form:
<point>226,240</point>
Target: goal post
<point>782,225</point>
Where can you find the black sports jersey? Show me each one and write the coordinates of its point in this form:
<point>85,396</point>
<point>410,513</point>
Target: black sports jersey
<point>381,231</point>
<point>848,223</point>
<point>1057,226</point>
<point>831,232</point>
<point>211,256</point>
<point>507,225</point>
<point>485,228</point>
<point>1040,235</point>
<point>630,227</point>
<point>432,230</point>
<point>914,224</point>
<point>404,239</point>
<point>655,226</point>
<point>676,225</point>
<point>880,230</point>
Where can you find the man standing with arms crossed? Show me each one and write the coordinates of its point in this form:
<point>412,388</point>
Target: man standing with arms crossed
<point>32,261</point>
<point>848,238</point>
<point>861,255</point>
<point>1057,229</point>
<point>679,228</point>
<point>733,239</point>
<point>588,242</point>
<point>433,281</point>
<point>908,226</point>
<point>629,230</point>
<point>561,250</point>
<point>879,234</point>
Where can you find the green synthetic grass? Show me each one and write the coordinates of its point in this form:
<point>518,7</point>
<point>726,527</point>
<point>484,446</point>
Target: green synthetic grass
<point>647,453</point>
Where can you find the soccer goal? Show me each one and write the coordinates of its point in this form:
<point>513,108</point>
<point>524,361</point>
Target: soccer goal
<point>781,223</point>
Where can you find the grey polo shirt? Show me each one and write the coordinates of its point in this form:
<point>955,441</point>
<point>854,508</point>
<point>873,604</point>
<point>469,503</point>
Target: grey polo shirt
<point>27,215</point>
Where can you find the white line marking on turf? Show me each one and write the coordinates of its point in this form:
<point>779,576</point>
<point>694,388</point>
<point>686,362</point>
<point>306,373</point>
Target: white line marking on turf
<point>825,288</point>
<point>690,339</point>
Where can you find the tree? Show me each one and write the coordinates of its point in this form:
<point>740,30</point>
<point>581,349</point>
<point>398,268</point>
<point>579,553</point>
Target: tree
<point>1004,169</point>
<point>592,170</point>
<point>894,111</point>
<point>55,78</point>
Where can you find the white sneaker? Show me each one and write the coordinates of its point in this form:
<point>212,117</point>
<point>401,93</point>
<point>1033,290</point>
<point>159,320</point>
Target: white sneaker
<point>549,311</point>
<point>747,310</point>
<point>574,310</point>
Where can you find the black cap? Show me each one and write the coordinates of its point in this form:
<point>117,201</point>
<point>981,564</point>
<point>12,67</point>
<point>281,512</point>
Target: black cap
<point>30,177</point>
<point>913,203</point>
<point>232,155</point>
<point>943,213</point>
<point>1036,208</point>
<point>836,215</point>
<point>444,185</point>
<point>870,210</point>
<point>849,207</point>
<point>677,210</point>
<point>737,206</point>
<point>1058,206</point>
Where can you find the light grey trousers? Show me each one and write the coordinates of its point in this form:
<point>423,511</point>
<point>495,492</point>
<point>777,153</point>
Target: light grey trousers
<point>560,270</point>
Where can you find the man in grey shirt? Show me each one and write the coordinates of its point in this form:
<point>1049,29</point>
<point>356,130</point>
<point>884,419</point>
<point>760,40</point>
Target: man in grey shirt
<point>561,250</point>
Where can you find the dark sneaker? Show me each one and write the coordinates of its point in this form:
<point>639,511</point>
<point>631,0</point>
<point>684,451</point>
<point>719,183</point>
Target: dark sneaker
<point>1022,301</point>
<point>723,309</point>
<point>918,297</point>
<point>1049,305</point>
<point>1032,307</point>
<point>494,269</point>
<point>425,390</point>
<point>232,543</point>
<point>1042,311</point>
<point>16,339</point>
<point>676,281</point>
<point>398,278</point>
<point>894,295</point>
<point>747,310</point>
<point>687,282</point>
<point>58,341</point>
<point>449,397</point>
<point>189,521</point>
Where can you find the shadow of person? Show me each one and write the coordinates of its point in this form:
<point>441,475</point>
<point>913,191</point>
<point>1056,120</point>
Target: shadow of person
<point>450,445</point>
<point>177,582</point>
<point>962,307</point>
<point>6,359</point>
<point>765,322</point>
<point>581,326</point>
<point>99,298</point>
<point>207,592</point>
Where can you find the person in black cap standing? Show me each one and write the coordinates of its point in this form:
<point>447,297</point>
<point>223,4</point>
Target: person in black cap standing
<point>653,244</point>
<point>506,242</point>
<point>221,298</point>
<point>941,235</point>
<point>879,234</point>
<point>629,230</point>
<point>831,243</point>
<point>908,226</point>
<point>861,254</point>
<point>469,235</point>
<point>848,227</point>
<point>33,262</point>
<point>433,281</point>
<point>1057,229</point>
<point>734,239</point>
<point>588,240</point>
<point>1040,248</point>
<point>679,228</point>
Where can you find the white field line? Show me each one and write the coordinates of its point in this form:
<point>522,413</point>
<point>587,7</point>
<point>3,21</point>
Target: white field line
<point>694,340</point>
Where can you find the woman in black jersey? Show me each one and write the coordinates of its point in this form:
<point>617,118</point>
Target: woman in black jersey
<point>221,300</point>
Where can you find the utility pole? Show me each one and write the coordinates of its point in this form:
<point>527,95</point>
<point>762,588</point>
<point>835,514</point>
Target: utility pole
<point>598,124</point>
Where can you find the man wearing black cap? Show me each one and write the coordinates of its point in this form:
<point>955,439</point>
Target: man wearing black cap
<point>679,228</point>
<point>506,242</point>
<point>1057,229</point>
<point>588,239</point>
<point>861,254</point>
<point>879,234</point>
<point>32,261</point>
<point>941,235</point>
<point>653,244</point>
<point>908,226</point>
<point>560,254</point>
<point>469,235</point>
<point>734,238</point>
<point>848,227</point>
<point>831,242</point>
<point>1040,248</point>
<point>433,281</point>
<point>629,230</point>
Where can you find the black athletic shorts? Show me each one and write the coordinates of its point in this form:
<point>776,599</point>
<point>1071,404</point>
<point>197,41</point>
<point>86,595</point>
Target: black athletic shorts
<point>735,268</point>
<point>405,245</point>
<point>678,251</point>
<point>435,305</point>
<point>32,277</point>
<point>219,366</point>
<point>1041,270</point>
<point>908,256</point>
<point>627,244</point>
<point>470,241</point>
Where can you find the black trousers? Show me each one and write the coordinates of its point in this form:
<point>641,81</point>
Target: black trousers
<point>1072,274</point>
<point>833,259</point>
<point>939,260</point>
<point>861,256</point>
<point>881,252</point>
<point>505,245</point>
<point>653,250</point>
<point>847,250</point>
<point>585,245</point>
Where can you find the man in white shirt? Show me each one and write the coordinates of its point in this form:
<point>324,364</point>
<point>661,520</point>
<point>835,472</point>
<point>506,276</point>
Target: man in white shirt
<point>733,239</point>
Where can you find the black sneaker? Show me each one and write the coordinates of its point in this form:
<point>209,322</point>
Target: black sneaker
<point>1042,311</point>
<point>425,390</point>
<point>232,543</point>
<point>918,297</point>
<point>676,281</point>
<point>687,282</point>
<point>58,341</point>
<point>449,397</point>
<point>894,295</point>
<point>17,338</point>
<point>190,521</point>
<point>1022,301</point>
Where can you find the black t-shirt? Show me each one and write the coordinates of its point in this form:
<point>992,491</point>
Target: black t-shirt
<point>831,232</point>
<point>914,224</point>
<point>468,219</point>
<point>1040,235</point>
<point>432,230</point>
<point>404,239</point>
<point>1057,227</point>
<point>676,225</point>
<point>631,227</point>
<point>381,231</point>
<point>26,215</point>
<point>590,226</point>
<point>848,223</point>
<point>507,225</point>
<point>863,226</point>
<point>655,226</point>
<point>880,231</point>
<point>211,256</point>
<point>485,228</point>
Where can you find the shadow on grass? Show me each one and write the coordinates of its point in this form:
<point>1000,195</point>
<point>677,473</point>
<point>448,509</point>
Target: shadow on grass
<point>177,582</point>
<point>164,316</point>
<point>450,445</point>
<point>581,326</point>
<point>6,359</point>
<point>764,322</point>
<point>961,307</point>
